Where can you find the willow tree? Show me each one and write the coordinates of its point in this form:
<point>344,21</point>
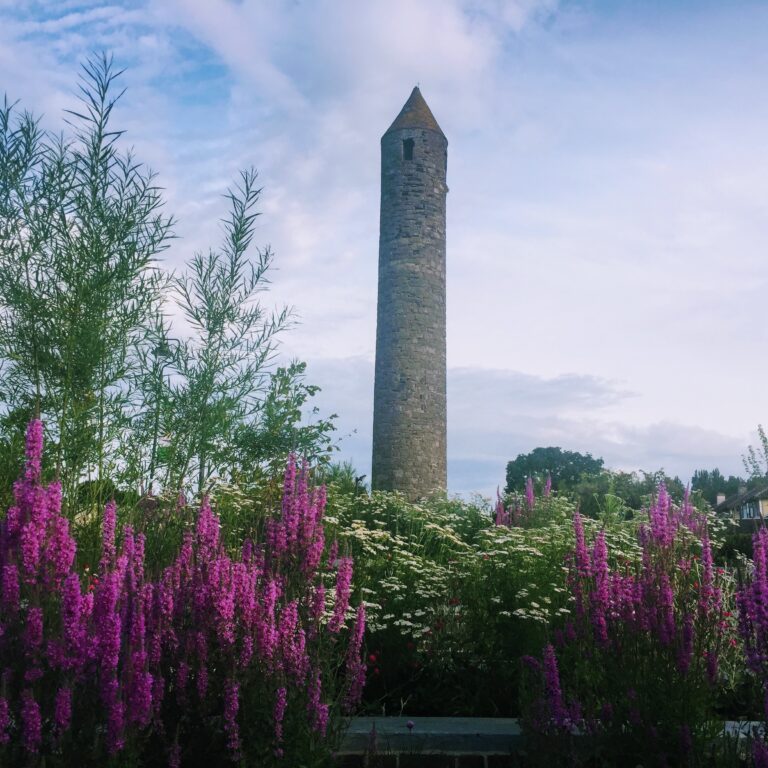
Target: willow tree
<point>221,369</point>
<point>81,226</point>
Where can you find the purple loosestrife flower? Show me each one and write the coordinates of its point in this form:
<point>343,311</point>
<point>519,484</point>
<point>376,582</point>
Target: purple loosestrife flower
<point>247,579</point>
<point>690,518</point>
<point>759,753</point>
<point>224,599</point>
<point>108,624</point>
<point>581,561</point>
<point>355,667</point>
<point>62,710</point>
<point>548,486</point>
<point>115,715</point>
<point>277,539</point>
<point>266,631</point>
<point>184,560</point>
<point>231,707</point>
<point>293,643</point>
<point>501,514</point>
<point>662,526</point>
<point>600,595</point>
<point>314,551</point>
<point>207,532</point>
<point>33,532</point>
<point>60,548</point>
<point>752,602</point>
<point>278,714</point>
<point>73,631</point>
<point>316,710</point>
<point>12,524</point>
<point>318,603</point>
<point>201,645</point>
<point>10,592</point>
<point>139,692</point>
<point>32,727</point>
<point>530,498</point>
<point>33,634</point>
<point>581,555</point>
<point>343,582</point>
<point>552,692</point>
<point>289,484</point>
<point>34,451</point>
<point>664,619</point>
<point>709,594</point>
<point>108,537</point>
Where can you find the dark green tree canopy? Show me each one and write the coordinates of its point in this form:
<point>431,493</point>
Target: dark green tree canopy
<point>711,482</point>
<point>565,467</point>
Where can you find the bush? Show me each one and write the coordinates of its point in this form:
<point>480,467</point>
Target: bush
<point>223,653</point>
<point>640,666</point>
<point>453,600</point>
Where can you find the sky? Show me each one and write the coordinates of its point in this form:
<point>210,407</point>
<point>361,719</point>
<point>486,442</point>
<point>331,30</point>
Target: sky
<point>607,216</point>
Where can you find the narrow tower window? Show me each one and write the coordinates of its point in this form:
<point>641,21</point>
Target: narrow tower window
<point>407,149</point>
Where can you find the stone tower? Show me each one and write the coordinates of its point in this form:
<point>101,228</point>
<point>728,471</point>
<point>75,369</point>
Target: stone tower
<point>409,411</point>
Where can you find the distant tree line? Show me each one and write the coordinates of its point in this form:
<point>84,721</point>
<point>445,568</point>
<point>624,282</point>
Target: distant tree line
<point>599,490</point>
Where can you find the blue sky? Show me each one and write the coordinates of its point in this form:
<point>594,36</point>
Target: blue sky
<point>607,214</point>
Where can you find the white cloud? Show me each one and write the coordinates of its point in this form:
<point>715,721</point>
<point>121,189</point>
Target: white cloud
<point>494,415</point>
<point>607,213</point>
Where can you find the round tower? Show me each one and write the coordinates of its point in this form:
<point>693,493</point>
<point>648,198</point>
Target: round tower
<point>409,411</point>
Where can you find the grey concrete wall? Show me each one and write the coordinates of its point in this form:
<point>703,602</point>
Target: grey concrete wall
<point>409,420</point>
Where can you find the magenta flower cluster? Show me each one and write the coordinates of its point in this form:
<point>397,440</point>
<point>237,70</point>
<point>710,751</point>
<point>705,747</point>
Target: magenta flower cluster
<point>645,639</point>
<point>752,603</point>
<point>516,514</point>
<point>126,656</point>
<point>521,511</point>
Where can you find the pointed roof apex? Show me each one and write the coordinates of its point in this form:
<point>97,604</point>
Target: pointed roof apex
<point>415,114</point>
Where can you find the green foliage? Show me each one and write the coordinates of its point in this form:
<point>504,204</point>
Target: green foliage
<point>85,341</point>
<point>343,476</point>
<point>647,656</point>
<point>80,228</point>
<point>220,367</point>
<point>708,484</point>
<point>621,493</point>
<point>277,429</point>
<point>566,468</point>
<point>756,459</point>
<point>453,600</point>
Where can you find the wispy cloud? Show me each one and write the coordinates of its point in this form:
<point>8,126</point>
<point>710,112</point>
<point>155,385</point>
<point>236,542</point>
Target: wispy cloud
<point>606,221</point>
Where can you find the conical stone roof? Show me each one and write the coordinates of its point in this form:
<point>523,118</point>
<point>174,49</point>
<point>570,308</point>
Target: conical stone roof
<point>415,114</point>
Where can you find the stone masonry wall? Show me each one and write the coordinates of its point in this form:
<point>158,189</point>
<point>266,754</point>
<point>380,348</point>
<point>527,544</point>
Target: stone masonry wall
<point>409,423</point>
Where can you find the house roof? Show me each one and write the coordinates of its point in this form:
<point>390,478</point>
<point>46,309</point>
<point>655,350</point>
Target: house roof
<point>734,502</point>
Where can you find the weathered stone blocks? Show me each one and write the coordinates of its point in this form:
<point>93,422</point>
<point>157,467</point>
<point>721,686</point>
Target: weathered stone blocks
<point>409,421</point>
